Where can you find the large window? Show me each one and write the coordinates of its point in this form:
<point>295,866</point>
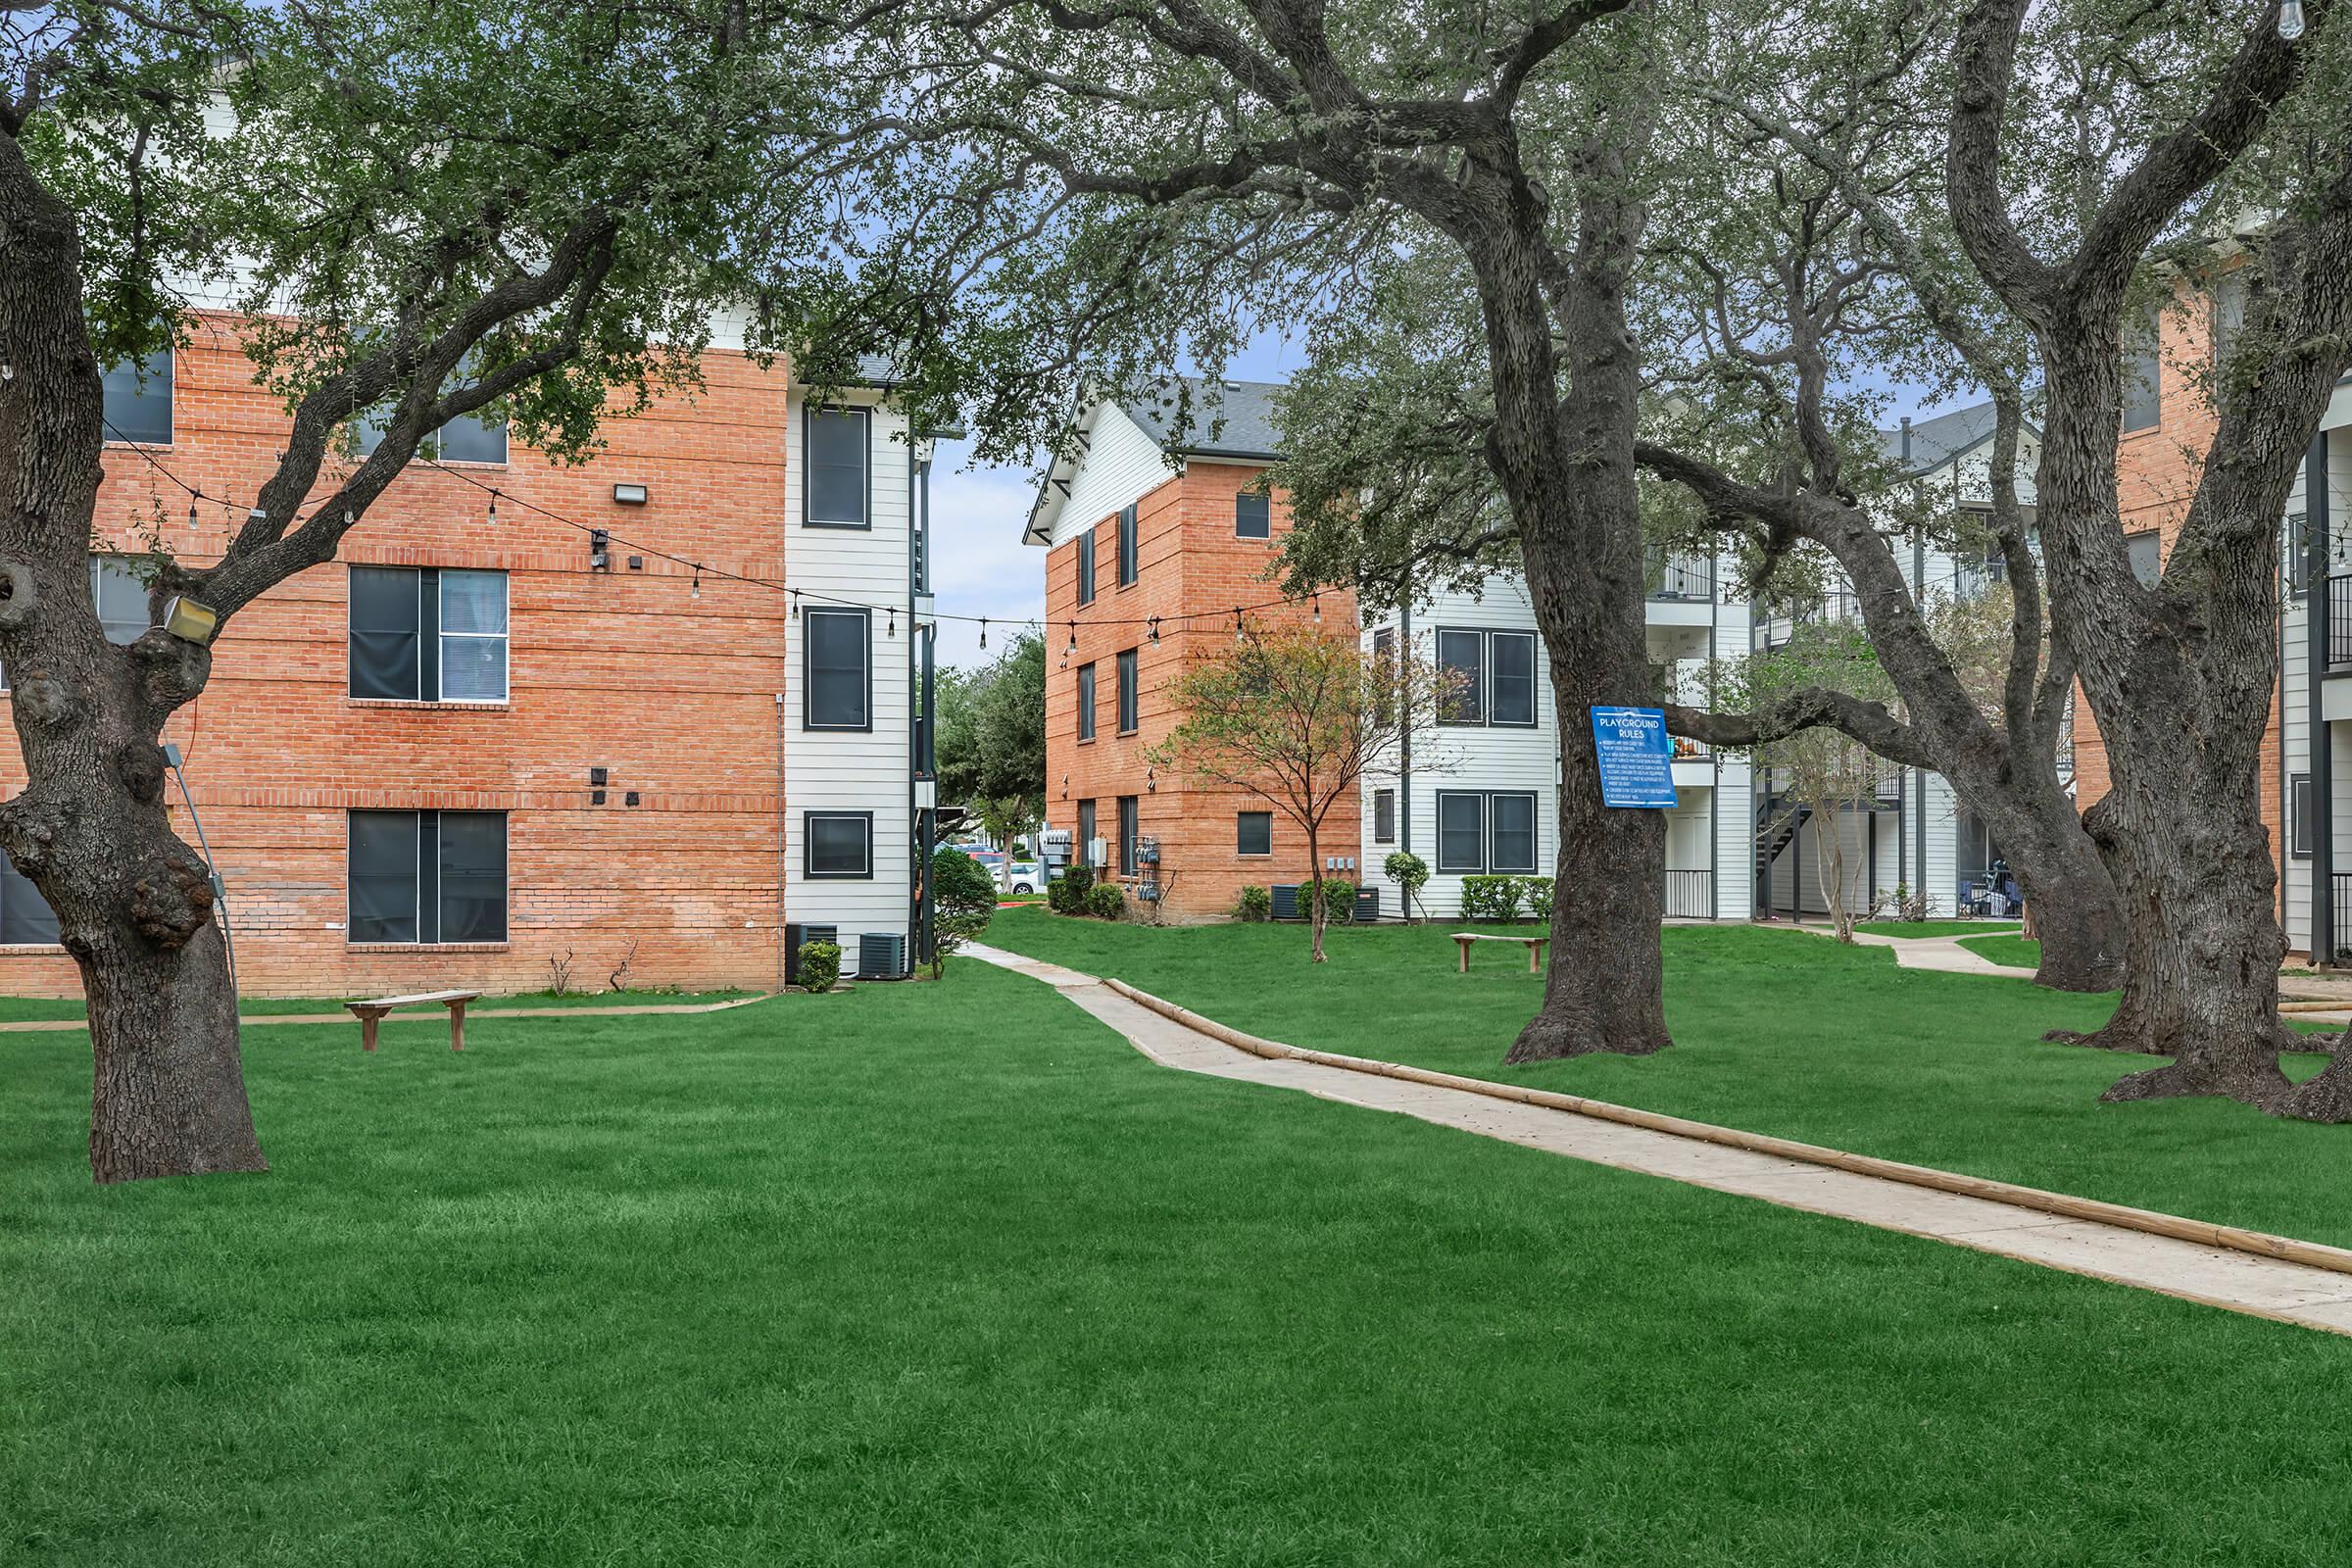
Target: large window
<point>1127,562</point>
<point>1487,831</point>
<point>467,438</point>
<point>428,876</point>
<point>837,669</point>
<point>1384,816</point>
<point>1085,833</point>
<point>1127,694</point>
<point>1085,568</point>
<point>425,634</point>
<point>2143,373</point>
<point>1127,835</point>
<point>121,600</point>
<point>2145,552</point>
<point>839,469</point>
<point>1086,701</point>
<point>136,398</point>
<point>1254,833</point>
<point>1512,678</point>
<point>26,919</point>
<point>838,846</point>
<point>1461,654</point>
<point>1253,516</point>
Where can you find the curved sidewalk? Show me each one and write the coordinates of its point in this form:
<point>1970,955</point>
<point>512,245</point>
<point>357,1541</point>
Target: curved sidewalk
<point>2236,1280</point>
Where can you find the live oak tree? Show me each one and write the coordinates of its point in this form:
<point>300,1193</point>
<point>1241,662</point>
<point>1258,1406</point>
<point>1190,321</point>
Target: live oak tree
<point>412,211</point>
<point>1296,715</point>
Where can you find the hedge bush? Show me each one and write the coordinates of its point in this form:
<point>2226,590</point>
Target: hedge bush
<point>1255,904</point>
<point>1067,892</point>
<point>1494,898</point>
<point>821,965</point>
<point>1339,900</point>
<point>1538,897</point>
<point>963,901</point>
<point>1107,901</point>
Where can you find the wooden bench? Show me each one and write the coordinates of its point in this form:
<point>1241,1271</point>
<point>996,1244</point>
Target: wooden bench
<point>373,1010</point>
<point>1534,948</point>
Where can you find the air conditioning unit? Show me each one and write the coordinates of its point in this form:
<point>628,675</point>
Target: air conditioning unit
<point>882,955</point>
<point>797,936</point>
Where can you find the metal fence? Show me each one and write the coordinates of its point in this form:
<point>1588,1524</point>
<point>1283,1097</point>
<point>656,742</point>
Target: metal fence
<point>1678,577</point>
<point>2339,620</point>
<point>1690,894</point>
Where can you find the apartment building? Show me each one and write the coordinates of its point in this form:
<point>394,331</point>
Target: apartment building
<point>630,718</point>
<point>1160,549</point>
<point>1915,833</point>
<point>1482,798</point>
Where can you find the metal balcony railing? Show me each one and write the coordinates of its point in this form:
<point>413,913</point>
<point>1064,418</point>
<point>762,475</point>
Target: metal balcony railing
<point>1678,577</point>
<point>2339,620</point>
<point>1690,894</point>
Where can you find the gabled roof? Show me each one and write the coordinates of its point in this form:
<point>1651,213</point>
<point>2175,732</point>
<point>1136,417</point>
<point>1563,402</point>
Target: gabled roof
<point>1232,420</point>
<point>1944,438</point>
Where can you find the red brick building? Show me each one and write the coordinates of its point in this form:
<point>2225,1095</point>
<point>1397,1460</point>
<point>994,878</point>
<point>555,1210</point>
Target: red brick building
<point>1156,518</point>
<point>478,746</point>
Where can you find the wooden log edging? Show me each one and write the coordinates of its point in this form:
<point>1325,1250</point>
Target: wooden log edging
<point>2204,1233</point>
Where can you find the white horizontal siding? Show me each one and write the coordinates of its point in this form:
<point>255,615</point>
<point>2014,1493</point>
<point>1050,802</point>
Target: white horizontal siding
<point>1121,464</point>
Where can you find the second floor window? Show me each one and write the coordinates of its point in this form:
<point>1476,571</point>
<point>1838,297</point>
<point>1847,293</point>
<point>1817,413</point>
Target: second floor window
<point>1086,701</point>
<point>467,438</point>
<point>2145,550</point>
<point>1085,568</point>
<point>837,669</point>
<point>1493,676</point>
<point>2143,373</point>
<point>1384,816</point>
<point>835,496</point>
<point>135,398</point>
<point>1127,560</point>
<point>428,634</point>
<point>1253,516</point>
<point>1128,716</point>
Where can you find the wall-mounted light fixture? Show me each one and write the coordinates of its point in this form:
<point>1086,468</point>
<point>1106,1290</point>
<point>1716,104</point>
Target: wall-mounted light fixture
<point>1066,786</point>
<point>190,621</point>
<point>636,563</point>
<point>1151,781</point>
<point>628,495</point>
<point>600,549</point>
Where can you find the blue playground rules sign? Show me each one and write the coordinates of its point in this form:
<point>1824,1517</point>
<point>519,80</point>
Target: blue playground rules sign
<point>1636,755</point>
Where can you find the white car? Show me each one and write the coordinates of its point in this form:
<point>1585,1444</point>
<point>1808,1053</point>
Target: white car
<point>1024,876</point>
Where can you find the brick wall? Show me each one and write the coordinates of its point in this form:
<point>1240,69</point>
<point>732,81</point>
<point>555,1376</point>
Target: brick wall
<point>628,671</point>
<point>1188,562</point>
<point>2157,471</point>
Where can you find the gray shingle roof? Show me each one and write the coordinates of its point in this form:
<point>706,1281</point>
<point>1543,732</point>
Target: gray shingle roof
<point>1221,418</point>
<point>1937,441</point>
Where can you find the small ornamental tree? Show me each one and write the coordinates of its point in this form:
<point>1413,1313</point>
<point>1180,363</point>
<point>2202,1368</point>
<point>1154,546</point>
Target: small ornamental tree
<point>1410,873</point>
<point>965,900</point>
<point>1296,715</point>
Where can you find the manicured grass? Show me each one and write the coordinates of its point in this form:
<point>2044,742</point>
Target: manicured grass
<point>16,1010</point>
<point>2018,953</point>
<point>1776,1031</point>
<point>948,1274</point>
<point>1934,928</point>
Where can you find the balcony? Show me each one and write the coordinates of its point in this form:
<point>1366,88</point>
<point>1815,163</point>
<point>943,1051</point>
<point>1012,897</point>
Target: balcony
<point>1689,894</point>
<point>1674,575</point>
<point>2340,621</point>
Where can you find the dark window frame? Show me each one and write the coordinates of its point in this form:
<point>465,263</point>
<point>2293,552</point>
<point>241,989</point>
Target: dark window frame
<point>1534,649</point>
<point>1252,515</point>
<point>431,839</point>
<point>367,435</point>
<point>430,654</point>
<point>1130,567</point>
<point>169,376</point>
<point>1131,699</point>
<point>865,422</point>
<point>809,721</point>
<point>1131,829</point>
<point>1085,568</point>
<point>1535,834</point>
<point>1090,824</point>
<point>1454,869</point>
<point>1384,816</point>
<point>2156,535</point>
<point>2301,803</point>
<point>2138,369</point>
<point>1241,842</point>
<point>15,886</point>
<point>2298,554</point>
<point>1086,701</point>
<point>809,870</point>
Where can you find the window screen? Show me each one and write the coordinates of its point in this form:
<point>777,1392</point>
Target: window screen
<point>836,668</point>
<point>473,636</point>
<point>1384,816</point>
<point>840,843</point>
<point>1127,835</point>
<point>136,398</point>
<point>2299,825</point>
<point>2144,373</point>
<point>424,634</point>
<point>1085,568</point>
<point>1461,832</point>
<point>1253,516</point>
<point>1086,701</point>
<point>1253,832</point>
<point>837,467</point>
<point>2146,554</point>
<point>26,919</point>
<point>428,876</point>
<point>121,600</point>
<point>384,876</point>
<point>1127,693</point>
<point>1512,656</point>
<point>1086,832</point>
<point>1127,562</point>
<point>385,635</point>
<point>1513,823</point>
<point>467,438</point>
<point>1463,655</point>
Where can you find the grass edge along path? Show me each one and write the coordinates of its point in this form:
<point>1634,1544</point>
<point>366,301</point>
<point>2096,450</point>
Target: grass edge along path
<point>1777,1033</point>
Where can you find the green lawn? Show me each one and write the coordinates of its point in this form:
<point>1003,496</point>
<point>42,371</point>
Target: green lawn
<point>16,1010</point>
<point>1934,928</point>
<point>948,1274</point>
<point>2018,953</point>
<point>1775,1030</point>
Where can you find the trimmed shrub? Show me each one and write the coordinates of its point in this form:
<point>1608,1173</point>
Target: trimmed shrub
<point>1339,900</point>
<point>1538,897</point>
<point>963,901</point>
<point>1410,873</point>
<point>1255,904</point>
<point>1107,901</point>
<point>1067,894</point>
<point>821,965</point>
<point>1492,899</point>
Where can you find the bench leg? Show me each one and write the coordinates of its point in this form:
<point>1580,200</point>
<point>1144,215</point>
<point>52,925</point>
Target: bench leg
<point>1534,957</point>
<point>456,1026</point>
<point>367,1030</point>
<point>1463,947</point>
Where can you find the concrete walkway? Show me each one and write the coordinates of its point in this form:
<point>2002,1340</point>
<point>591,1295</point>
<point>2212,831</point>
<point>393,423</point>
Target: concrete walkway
<point>438,1016</point>
<point>2238,1282</point>
<point>1943,954</point>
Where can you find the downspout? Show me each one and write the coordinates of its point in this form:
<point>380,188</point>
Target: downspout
<point>1405,771</point>
<point>782,815</point>
<point>2318,741</point>
<point>1715,876</point>
<point>925,773</point>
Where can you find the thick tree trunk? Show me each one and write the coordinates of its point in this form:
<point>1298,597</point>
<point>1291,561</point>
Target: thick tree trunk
<point>1315,911</point>
<point>134,904</point>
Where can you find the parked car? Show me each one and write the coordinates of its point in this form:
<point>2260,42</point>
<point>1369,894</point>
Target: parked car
<point>1025,876</point>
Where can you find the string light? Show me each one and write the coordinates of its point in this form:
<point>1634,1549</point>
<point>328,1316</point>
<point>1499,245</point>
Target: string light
<point>890,627</point>
<point>796,604</point>
<point>493,509</point>
<point>2290,21</point>
<point>984,631</point>
<point>695,590</point>
<point>199,496</point>
<point>1155,631</point>
<point>1236,623</point>
<point>1318,610</point>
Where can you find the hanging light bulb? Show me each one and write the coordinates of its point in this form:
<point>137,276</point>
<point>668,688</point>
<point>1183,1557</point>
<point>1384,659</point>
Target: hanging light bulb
<point>1236,623</point>
<point>694,591</point>
<point>493,509</point>
<point>890,627</point>
<point>193,497</point>
<point>1318,610</point>
<point>796,604</point>
<point>1155,631</point>
<point>2291,20</point>
<point>984,631</point>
